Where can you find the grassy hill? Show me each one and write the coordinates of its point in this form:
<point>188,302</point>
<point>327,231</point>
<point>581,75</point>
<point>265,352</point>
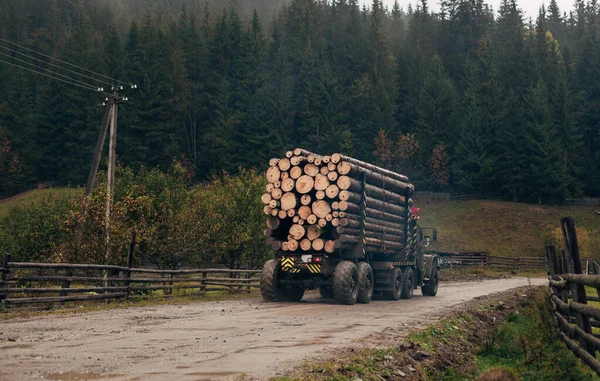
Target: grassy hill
<point>500,228</point>
<point>29,196</point>
<point>504,228</point>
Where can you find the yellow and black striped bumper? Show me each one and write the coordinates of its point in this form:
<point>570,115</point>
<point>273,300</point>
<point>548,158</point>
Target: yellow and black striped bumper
<point>294,265</point>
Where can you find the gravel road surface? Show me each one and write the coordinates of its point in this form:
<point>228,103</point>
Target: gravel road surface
<point>244,339</point>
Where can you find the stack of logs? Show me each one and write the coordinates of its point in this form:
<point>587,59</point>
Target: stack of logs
<point>315,204</point>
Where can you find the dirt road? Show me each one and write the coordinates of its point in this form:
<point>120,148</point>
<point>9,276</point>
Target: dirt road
<point>213,341</point>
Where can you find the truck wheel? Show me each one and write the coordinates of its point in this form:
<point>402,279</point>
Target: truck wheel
<point>408,283</point>
<point>345,282</point>
<point>326,292</point>
<point>396,283</point>
<point>268,282</point>
<point>365,282</point>
<point>431,287</point>
<point>294,293</point>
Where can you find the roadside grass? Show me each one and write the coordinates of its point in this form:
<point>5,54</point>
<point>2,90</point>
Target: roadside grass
<point>514,337</point>
<point>31,196</point>
<point>502,228</point>
<point>155,298</point>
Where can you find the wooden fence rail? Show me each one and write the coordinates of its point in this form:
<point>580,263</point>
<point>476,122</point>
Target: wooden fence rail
<point>470,259</point>
<point>574,317</point>
<point>27,283</point>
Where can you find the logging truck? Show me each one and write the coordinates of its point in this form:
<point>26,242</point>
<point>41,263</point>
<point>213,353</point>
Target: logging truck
<point>345,227</point>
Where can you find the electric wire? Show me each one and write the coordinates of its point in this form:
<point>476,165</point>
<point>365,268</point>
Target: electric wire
<point>50,71</point>
<point>64,62</point>
<point>48,63</point>
<point>56,78</point>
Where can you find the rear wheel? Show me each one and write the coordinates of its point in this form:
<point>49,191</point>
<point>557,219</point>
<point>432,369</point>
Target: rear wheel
<point>396,284</point>
<point>326,292</point>
<point>408,283</point>
<point>430,288</point>
<point>365,282</point>
<point>345,282</point>
<point>268,282</point>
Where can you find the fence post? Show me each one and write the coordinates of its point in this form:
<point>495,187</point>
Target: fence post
<point>551,257</point>
<point>577,290</point>
<point>202,290</point>
<point>248,282</point>
<point>129,262</point>
<point>4,276</point>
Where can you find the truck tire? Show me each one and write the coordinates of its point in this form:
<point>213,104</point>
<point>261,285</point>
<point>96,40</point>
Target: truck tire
<point>293,294</point>
<point>408,283</point>
<point>431,287</point>
<point>326,292</point>
<point>365,282</point>
<point>345,282</point>
<point>268,282</point>
<point>397,281</point>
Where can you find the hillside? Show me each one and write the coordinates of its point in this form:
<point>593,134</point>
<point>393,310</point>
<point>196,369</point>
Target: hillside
<point>26,197</point>
<point>503,228</point>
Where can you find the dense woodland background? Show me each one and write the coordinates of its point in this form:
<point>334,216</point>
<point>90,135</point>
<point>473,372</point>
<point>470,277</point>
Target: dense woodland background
<point>470,99</point>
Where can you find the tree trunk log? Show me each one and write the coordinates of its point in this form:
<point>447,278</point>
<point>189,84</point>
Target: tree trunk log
<point>337,158</point>
<point>287,185</point>
<point>329,246</point>
<point>305,244</point>
<point>311,170</point>
<point>273,174</point>
<point>321,182</point>
<point>266,198</point>
<point>321,208</point>
<point>320,195</point>
<point>305,184</point>
<point>332,191</point>
<point>284,164</point>
<point>318,244</point>
<point>289,201</point>
<point>375,213</point>
<point>277,193</point>
<point>304,212</point>
<point>346,220</point>
<point>273,223</point>
<point>292,245</point>
<point>295,172</point>
<point>313,232</point>
<point>297,231</point>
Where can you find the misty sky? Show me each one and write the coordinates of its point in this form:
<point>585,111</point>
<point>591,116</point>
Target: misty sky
<point>530,7</point>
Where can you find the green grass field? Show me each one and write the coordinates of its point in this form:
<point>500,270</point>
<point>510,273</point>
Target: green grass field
<point>503,228</point>
<point>27,197</point>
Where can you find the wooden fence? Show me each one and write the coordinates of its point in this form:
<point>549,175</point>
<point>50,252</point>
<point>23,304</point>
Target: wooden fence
<point>26,283</point>
<point>470,259</point>
<point>574,317</point>
<point>583,201</point>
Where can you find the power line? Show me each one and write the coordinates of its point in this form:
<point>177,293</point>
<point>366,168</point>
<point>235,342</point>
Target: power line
<point>56,78</point>
<point>47,63</point>
<point>64,62</point>
<point>50,71</point>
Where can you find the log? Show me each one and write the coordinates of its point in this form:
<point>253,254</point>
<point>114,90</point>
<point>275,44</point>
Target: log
<point>277,193</point>
<point>350,219</point>
<point>331,166</point>
<point>269,188</point>
<point>297,231</point>
<point>369,226</point>
<point>298,151</point>
<point>300,221</point>
<point>289,201</point>
<point>375,204</point>
<point>370,241</point>
<point>295,219</point>
<point>277,184</point>
<point>311,170</point>
<point>335,221</point>
<point>332,176</point>
<point>276,245</point>
<point>304,212</point>
<point>377,179</point>
<point>292,245</point>
<point>310,158</point>
<point>332,191</point>
<point>274,203</point>
<point>329,217</point>
<point>326,159</point>
<point>291,213</point>
<point>305,199</point>
<point>313,232</point>
<point>324,171</point>
<point>284,246</point>
<point>318,161</point>
<point>318,244</point>
<point>337,158</point>
<point>320,195</point>
<point>265,198</point>
<point>395,237</point>
<point>296,160</point>
<point>375,213</point>
<point>321,182</point>
<point>305,184</point>
<point>335,205</point>
<point>267,210</point>
<point>376,193</point>
<point>284,164</point>
<point>282,214</point>
<point>305,244</point>
<point>312,219</point>
<point>273,162</point>
<point>335,214</point>
<point>321,208</point>
<point>273,174</point>
<point>322,222</point>
<point>287,185</point>
<point>329,246</point>
<point>284,175</point>
<point>273,223</point>
<point>295,172</point>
